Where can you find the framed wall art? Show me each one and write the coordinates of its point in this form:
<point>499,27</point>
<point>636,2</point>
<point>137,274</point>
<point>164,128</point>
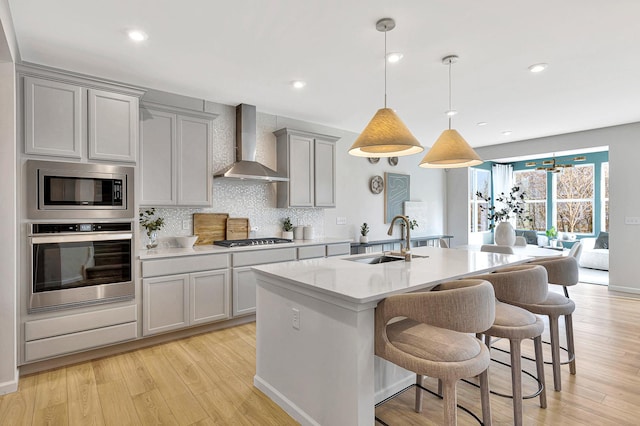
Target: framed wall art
<point>397,190</point>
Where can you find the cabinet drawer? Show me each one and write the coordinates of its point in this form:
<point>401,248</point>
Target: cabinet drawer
<point>76,342</point>
<point>50,327</point>
<point>338,249</point>
<point>184,264</point>
<point>310,252</point>
<point>264,256</point>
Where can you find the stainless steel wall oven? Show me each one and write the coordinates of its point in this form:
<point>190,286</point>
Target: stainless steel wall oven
<point>80,263</point>
<point>57,190</point>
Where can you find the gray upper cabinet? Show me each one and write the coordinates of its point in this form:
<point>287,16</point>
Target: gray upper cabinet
<point>53,118</point>
<point>309,160</point>
<point>175,157</point>
<point>113,126</point>
<point>74,117</point>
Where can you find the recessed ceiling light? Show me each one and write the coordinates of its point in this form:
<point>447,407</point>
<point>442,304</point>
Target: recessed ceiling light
<point>538,67</point>
<point>506,132</point>
<point>394,57</point>
<point>481,123</point>
<point>137,35</point>
<point>451,112</point>
<point>298,84</point>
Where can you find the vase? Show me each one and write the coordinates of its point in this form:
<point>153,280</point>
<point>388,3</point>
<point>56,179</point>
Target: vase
<point>505,235</point>
<point>287,235</point>
<point>364,239</point>
<point>152,239</point>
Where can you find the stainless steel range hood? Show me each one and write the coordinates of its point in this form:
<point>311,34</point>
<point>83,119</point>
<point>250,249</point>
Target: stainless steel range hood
<point>246,166</point>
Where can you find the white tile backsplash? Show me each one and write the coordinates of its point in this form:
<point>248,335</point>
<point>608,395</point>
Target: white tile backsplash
<point>253,200</point>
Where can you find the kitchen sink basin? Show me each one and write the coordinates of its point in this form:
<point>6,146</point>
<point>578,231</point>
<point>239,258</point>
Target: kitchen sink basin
<point>372,260</point>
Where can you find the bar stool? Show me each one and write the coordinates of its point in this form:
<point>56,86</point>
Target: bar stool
<point>561,271</point>
<point>432,340</point>
<point>525,283</point>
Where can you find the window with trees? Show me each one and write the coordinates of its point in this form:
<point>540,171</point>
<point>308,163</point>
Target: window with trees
<point>479,180</point>
<point>534,184</point>
<point>574,200</point>
<point>604,205</point>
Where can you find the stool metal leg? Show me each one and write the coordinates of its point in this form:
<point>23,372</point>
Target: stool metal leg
<point>418,408</point>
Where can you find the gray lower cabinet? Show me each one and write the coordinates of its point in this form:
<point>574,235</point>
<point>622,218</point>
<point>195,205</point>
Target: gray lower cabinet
<point>65,116</point>
<point>63,334</point>
<point>175,157</point>
<point>178,301</point>
<point>244,291</point>
<point>309,161</point>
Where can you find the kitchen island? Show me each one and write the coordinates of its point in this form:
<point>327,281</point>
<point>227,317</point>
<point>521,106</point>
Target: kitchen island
<point>315,329</point>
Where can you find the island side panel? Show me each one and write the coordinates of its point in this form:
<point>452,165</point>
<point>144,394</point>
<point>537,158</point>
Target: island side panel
<point>323,372</point>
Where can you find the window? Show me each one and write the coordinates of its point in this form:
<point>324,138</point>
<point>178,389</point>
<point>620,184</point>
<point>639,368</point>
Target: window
<point>479,180</point>
<point>534,185</point>
<point>574,206</point>
<point>604,205</point>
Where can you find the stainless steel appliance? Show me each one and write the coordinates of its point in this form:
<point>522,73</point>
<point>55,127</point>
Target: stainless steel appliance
<point>80,263</point>
<point>58,190</point>
<point>252,242</point>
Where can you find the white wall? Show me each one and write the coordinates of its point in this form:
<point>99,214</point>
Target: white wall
<point>8,224</point>
<point>624,196</point>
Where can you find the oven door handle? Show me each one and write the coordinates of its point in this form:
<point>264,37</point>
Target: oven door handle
<point>57,238</point>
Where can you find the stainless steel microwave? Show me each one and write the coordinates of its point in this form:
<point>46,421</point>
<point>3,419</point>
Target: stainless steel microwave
<point>58,190</point>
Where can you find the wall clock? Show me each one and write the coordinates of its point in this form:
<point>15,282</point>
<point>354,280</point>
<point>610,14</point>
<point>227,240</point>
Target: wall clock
<point>376,184</point>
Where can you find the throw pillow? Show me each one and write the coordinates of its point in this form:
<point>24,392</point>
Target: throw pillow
<point>602,242</point>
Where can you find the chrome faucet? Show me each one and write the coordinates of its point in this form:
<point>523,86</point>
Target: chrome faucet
<point>404,251</point>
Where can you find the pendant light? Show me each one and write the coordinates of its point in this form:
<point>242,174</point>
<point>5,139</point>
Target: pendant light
<point>450,149</point>
<point>385,135</point>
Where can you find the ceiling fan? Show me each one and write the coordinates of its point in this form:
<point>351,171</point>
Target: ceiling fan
<point>552,166</point>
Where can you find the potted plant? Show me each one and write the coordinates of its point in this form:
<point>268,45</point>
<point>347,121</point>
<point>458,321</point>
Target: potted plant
<point>364,230</point>
<point>552,235</point>
<point>152,225</point>
<point>287,229</point>
<point>512,206</point>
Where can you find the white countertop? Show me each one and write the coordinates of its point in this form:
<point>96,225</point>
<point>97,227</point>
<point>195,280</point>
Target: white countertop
<point>362,283</point>
<point>158,253</point>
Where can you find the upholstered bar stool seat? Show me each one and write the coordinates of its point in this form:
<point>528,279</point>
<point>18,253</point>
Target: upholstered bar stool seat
<point>561,271</point>
<point>519,283</point>
<point>427,333</point>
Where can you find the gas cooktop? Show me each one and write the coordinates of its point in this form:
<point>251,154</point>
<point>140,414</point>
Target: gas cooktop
<point>252,242</point>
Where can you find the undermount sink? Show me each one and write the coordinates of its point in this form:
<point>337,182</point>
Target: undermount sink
<point>372,260</point>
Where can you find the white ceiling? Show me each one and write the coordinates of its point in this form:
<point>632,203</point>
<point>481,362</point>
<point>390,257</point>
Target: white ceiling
<point>248,51</point>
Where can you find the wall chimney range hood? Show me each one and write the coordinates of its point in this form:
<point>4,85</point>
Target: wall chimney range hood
<point>246,167</point>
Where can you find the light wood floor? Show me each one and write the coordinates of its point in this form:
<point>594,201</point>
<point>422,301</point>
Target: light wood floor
<point>207,379</point>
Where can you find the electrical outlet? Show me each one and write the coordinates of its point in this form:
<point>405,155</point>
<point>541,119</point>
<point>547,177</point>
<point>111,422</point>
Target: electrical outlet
<point>632,220</point>
<point>341,220</point>
<point>295,319</point>
<point>186,224</point>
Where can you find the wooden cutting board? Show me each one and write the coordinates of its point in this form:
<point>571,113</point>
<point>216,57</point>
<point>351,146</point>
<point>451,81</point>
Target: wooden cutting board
<point>237,228</point>
<point>210,227</point>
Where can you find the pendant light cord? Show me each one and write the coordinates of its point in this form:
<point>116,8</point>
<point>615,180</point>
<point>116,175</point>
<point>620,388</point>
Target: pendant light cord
<point>385,68</point>
<point>449,112</point>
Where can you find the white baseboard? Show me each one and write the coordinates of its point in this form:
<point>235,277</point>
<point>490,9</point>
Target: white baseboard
<point>10,386</point>
<point>621,289</point>
<point>382,394</point>
<point>287,405</point>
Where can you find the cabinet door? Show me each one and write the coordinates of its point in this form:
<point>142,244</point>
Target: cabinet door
<point>53,118</point>
<point>157,157</point>
<point>113,126</point>
<point>244,291</point>
<point>165,303</point>
<point>194,173</point>
<point>301,171</point>
<point>209,292</point>
<point>325,173</point>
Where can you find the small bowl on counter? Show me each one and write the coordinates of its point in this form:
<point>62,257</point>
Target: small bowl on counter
<point>186,241</point>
